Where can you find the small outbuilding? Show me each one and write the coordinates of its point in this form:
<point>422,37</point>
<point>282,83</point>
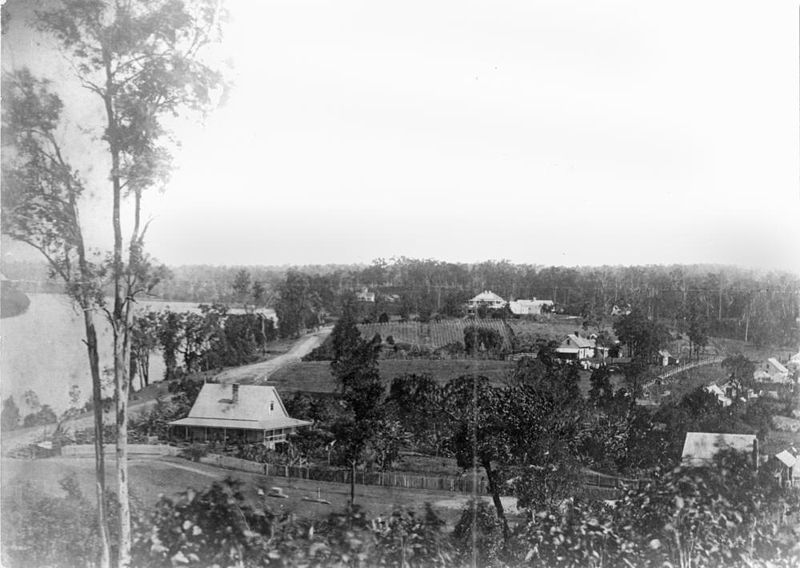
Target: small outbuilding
<point>787,463</point>
<point>237,413</point>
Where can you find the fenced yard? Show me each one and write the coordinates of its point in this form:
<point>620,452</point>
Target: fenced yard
<point>597,484</point>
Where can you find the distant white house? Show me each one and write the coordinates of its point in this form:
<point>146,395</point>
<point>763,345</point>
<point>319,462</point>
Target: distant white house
<point>699,448</point>
<point>532,307</point>
<point>771,371</point>
<point>717,391</point>
<point>488,299</point>
<point>365,296</point>
<point>237,413</point>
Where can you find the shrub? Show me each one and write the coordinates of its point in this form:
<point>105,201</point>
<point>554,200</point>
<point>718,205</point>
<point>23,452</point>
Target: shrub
<point>478,531</point>
<point>41,530</point>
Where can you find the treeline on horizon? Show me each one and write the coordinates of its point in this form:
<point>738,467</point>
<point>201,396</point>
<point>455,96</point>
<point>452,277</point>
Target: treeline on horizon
<point>732,301</point>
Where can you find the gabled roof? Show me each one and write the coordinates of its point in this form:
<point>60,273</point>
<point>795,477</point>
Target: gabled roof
<point>580,342</point>
<point>254,407</point>
<point>777,365</point>
<point>786,458</point>
<point>487,296</point>
<point>699,448</point>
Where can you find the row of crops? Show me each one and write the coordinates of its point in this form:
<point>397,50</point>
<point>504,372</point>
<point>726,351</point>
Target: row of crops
<point>433,335</point>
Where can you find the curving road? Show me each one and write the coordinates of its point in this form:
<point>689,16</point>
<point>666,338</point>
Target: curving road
<point>259,373</point>
<point>256,374</point>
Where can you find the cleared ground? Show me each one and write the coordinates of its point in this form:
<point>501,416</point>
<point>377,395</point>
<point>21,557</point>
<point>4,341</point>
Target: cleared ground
<point>150,478</point>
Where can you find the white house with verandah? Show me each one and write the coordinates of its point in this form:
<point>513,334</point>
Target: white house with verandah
<point>488,299</point>
<point>237,413</point>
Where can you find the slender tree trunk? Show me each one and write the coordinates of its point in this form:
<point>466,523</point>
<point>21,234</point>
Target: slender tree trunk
<point>119,324</point>
<point>491,477</point>
<point>352,483</point>
<point>99,457</point>
<point>86,303</point>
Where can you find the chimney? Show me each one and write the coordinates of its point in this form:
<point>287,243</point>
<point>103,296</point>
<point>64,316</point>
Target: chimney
<point>577,334</point>
<point>235,397</point>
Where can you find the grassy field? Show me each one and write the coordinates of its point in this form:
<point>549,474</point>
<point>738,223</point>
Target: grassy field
<point>315,376</point>
<point>150,478</point>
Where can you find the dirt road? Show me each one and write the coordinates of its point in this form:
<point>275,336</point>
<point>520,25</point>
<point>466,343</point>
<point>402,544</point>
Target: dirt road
<point>259,373</point>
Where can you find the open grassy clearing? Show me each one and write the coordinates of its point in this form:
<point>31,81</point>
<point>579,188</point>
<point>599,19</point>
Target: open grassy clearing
<point>150,478</point>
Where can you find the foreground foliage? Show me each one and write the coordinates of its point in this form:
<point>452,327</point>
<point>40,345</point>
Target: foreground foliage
<point>726,514</point>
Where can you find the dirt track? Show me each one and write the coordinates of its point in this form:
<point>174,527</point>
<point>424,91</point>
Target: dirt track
<point>259,373</point>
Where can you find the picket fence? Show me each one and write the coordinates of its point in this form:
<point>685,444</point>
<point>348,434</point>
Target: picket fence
<point>605,486</point>
<point>466,484</point>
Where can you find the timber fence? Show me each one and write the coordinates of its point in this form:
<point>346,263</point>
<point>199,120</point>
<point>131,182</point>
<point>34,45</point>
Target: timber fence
<point>664,377</point>
<point>607,486</point>
<point>465,484</point>
<point>709,360</point>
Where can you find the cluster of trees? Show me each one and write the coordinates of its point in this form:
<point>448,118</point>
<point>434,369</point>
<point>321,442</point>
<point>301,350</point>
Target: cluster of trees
<point>720,300</point>
<point>303,301</point>
<point>192,341</point>
<point>36,413</point>
<point>39,414</point>
<point>725,514</point>
<point>141,64</point>
<point>478,338</point>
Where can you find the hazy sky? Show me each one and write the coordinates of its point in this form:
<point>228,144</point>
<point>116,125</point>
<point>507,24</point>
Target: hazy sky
<point>550,132</point>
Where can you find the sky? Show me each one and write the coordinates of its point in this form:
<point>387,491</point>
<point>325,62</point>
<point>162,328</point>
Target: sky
<point>543,132</point>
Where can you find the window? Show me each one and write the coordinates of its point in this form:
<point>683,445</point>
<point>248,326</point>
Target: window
<point>271,406</point>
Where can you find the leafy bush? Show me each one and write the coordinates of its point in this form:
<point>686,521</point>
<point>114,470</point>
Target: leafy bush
<point>42,530</point>
<point>478,531</point>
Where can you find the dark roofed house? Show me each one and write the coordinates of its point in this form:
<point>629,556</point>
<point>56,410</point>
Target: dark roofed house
<point>575,347</point>
<point>237,413</point>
